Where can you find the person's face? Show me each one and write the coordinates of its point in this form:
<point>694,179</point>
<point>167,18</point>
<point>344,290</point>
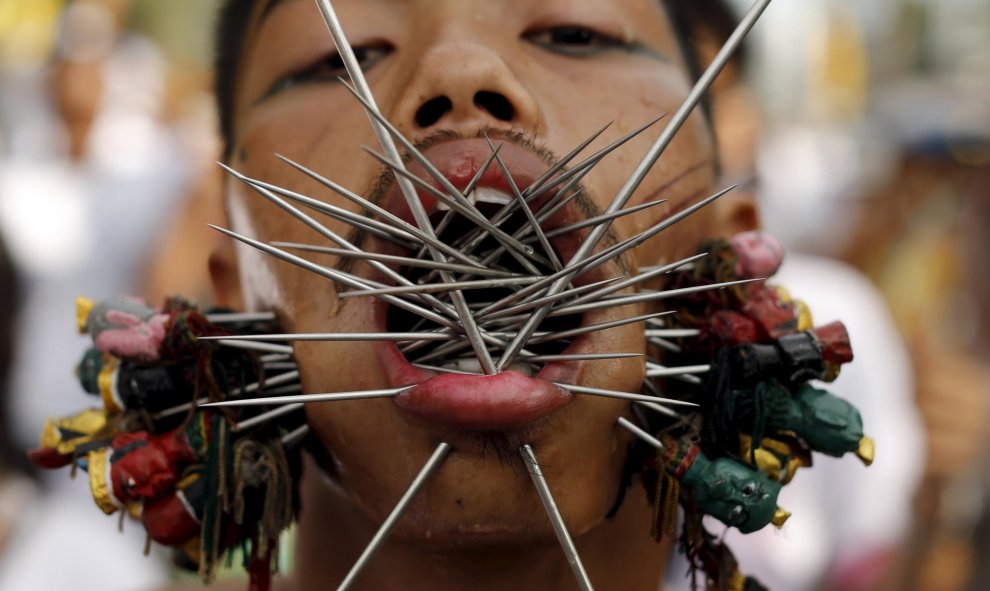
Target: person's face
<point>553,71</point>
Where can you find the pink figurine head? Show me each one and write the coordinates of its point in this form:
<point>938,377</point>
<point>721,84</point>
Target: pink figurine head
<point>128,328</point>
<point>759,254</point>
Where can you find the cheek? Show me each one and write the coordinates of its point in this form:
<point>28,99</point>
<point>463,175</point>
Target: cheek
<point>339,366</point>
<point>575,103</point>
<point>260,286</point>
<point>680,241</point>
<point>268,282</point>
<point>684,173</point>
<point>321,126</point>
<point>683,176</point>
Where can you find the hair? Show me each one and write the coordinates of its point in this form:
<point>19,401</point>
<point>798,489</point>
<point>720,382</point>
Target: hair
<point>11,457</point>
<point>689,18</point>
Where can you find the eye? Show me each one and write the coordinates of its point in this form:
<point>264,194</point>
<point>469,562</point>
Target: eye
<point>330,67</point>
<point>574,40</point>
<point>749,489</point>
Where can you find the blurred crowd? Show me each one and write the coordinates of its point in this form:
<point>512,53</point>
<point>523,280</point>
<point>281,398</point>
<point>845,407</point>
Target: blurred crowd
<point>867,126</point>
<point>863,129</point>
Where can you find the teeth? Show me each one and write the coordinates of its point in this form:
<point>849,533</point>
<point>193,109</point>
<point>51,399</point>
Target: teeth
<point>489,195</point>
<point>484,195</point>
<point>472,365</point>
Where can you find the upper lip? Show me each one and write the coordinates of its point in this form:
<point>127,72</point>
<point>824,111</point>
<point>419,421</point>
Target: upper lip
<point>512,400</point>
<point>459,161</point>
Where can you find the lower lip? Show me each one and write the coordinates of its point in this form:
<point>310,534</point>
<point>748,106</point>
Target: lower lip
<point>505,400</point>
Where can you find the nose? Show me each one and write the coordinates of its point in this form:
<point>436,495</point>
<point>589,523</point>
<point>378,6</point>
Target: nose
<point>464,85</point>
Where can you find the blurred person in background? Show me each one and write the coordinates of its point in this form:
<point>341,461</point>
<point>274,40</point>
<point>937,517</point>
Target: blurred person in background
<point>90,176</point>
<point>12,460</point>
<point>923,239</point>
<point>84,206</point>
<point>47,541</point>
<point>921,235</point>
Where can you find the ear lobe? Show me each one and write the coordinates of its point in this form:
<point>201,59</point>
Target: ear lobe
<point>736,212</point>
<point>224,276</point>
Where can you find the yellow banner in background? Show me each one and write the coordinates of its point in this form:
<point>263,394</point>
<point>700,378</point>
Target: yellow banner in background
<point>27,31</point>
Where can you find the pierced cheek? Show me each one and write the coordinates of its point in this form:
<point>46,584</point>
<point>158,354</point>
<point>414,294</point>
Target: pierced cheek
<point>265,136</point>
<point>315,301</point>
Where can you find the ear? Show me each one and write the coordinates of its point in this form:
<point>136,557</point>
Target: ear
<point>224,276</point>
<point>736,212</point>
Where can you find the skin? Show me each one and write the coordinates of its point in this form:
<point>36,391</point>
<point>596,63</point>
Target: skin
<point>478,522</point>
<point>78,91</point>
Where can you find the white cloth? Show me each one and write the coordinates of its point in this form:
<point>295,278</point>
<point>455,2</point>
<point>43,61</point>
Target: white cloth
<point>80,228</point>
<point>57,544</point>
<point>84,228</point>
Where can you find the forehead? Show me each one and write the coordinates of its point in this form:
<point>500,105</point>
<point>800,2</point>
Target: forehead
<point>264,8</point>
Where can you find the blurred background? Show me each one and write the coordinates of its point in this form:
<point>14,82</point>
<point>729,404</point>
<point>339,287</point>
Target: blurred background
<point>862,128</point>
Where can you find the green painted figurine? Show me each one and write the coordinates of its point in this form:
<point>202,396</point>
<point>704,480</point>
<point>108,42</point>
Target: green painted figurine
<point>733,493</point>
<point>825,422</point>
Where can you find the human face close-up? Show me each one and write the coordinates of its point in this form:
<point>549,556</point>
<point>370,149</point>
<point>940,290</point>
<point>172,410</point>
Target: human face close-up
<point>538,78</point>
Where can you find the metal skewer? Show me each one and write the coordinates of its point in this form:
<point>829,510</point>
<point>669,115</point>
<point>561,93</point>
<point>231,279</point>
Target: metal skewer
<point>306,398</point>
<point>232,317</point>
<point>638,432</point>
<point>267,416</point>
<point>336,336</point>
<point>621,395</point>
<point>439,454</point>
<point>603,218</point>
<point>556,519</point>
<point>651,157</point>
<point>399,260</point>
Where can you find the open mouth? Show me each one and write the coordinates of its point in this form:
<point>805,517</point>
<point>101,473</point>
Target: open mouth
<point>451,384</point>
<point>458,356</point>
<point>452,388</point>
<point>487,312</point>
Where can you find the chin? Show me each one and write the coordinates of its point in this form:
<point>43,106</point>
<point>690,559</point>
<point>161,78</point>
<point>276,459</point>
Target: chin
<point>483,496</point>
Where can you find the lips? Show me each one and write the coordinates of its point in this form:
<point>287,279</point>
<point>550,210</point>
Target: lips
<point>511,398</point>
<point>474,402</point>
<point>501,401</point>
<point>459,161</point>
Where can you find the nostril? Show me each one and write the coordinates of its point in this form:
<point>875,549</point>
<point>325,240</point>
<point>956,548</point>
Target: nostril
<point>432,110</point>
<point>496,104</point>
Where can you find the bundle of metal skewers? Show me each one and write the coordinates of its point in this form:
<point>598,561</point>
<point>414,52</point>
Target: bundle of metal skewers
<point>723,420</point>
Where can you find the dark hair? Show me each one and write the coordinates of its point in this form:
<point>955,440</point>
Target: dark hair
<point>232,24</point>
<point>688,17</point>
<point>11,457</point>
